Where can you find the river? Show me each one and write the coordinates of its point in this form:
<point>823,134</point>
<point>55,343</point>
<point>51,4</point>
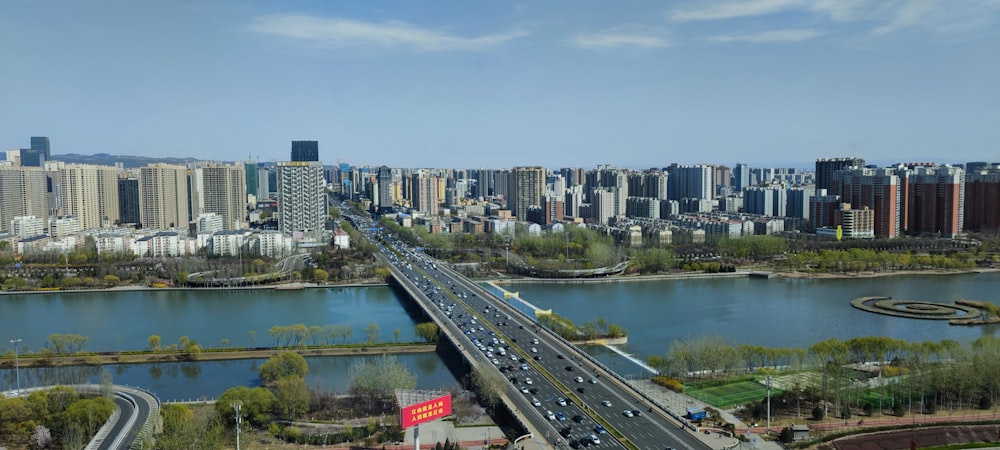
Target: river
<point>777,312</point>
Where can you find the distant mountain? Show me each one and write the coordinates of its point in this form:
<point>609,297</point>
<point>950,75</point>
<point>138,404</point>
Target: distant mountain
<point>129,161</point>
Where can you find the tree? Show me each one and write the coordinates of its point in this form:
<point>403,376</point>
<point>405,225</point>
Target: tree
<point>282,365</point>
<point>292,396</point>
<point>154,342</point>
<point>428,331</point>
<point>375,379</point>
<point>372,332</point>
<point>41,437</point>
<point>320,275</point>
<point>489,383</point>
<point>395,334</point>
<point>257,404</point>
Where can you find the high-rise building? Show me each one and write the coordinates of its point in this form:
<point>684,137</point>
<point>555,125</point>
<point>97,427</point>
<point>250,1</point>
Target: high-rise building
<point>90,193</point>
<point>741,177</point>
<point>877,189</point>
<point>302,209</point>
<point>798,202</point>
<point>766,201</point>
<point>385,189</point>
<point>41,145</point>
<point>305,150</point>
<point>253,184</point>
<point>224,193</point>
<point>163,196</point>
<point>23,192</point>
<point>552,208</point>
<point>425,193</point>
<point>827,167</point>
<point>603,206</point>
<point>822,209</point>
<point>32,158</point>
<point>935,200</point>
<point>128,201</point>
<point>691,182</point>
<point>982,199</point>
<point>529,186</point>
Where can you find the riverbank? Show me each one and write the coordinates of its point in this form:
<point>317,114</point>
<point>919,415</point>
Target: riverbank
<point>151,357</point>
<point>137,287</point>
<point>863,274</point>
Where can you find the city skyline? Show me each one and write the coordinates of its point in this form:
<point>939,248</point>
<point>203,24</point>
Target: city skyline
<point>762,82</point>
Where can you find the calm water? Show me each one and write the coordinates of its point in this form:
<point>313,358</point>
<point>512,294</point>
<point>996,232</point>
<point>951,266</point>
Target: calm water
<point>209,379</point>
<point>774,313</point>
<point>125,320</point>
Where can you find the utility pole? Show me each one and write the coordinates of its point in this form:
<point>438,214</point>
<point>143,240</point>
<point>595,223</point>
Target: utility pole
<point>768,404</point>
<point>236,406</point>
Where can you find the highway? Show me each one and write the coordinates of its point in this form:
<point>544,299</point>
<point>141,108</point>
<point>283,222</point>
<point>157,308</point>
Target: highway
<point>559,389</point>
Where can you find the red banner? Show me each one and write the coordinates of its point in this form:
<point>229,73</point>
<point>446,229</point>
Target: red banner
<point>425,411</point>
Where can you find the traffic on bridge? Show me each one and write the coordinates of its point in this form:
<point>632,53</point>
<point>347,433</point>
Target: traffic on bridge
<point>554,387</point>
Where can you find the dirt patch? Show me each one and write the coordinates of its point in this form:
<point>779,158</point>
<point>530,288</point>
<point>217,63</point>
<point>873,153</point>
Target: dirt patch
<point>924,437</point>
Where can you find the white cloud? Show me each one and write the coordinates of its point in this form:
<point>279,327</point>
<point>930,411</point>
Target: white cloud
<point>909,14</point>
<point>791,35</point>
<point>731,10</point>
<point>339,32</point>
<point>624,36</point>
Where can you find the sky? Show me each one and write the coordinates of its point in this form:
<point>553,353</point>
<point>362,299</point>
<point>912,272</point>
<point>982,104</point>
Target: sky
<point>500,84</point>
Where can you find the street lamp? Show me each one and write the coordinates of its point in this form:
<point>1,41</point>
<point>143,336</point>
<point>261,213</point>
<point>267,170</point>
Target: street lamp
<point>17,365</point>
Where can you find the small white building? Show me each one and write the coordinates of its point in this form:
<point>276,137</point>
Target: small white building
<point>27,226</point>
<point>341,239</point>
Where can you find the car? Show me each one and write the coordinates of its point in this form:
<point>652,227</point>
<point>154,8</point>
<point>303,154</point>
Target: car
<point>569,368</point>
<point>581,390</point>
<point>549,415</point>
<point>533,390</point>
<point>560,357</point>
<point>578,379</point>
<point>595,440</point>
<point>600,429</point>
<point>524,389</point>
<point>560,416</point>
<point>524,367</point>
<point>627,413</point>
<point>534,350</point>
<point>537,357</point>
<point>535,402</point>
<point>592,381</point>
<point>574,443</point>
<point>606,403</point>
<point>528,381</point>
<point>565,432</point>
<point>561,401</point>
<point>578,418</point>
<point>585,442</point>
<point>637,413</point>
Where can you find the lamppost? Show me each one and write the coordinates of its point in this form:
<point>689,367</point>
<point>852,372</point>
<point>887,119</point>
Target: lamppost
<point>768,404</point>
<point>17,365</point>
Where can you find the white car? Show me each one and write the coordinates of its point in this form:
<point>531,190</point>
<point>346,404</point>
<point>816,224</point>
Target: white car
<point>524,389</point>
<point>535,402</point>
<point>596,440</point>
<point>561,401</point>
<point>578,379</point>
<point>627,413</point>
<point>534,350</point>
<point>527,381</point>
<point>606,403</point>
<point>549,415</point>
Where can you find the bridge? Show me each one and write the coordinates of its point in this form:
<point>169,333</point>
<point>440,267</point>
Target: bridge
<point>555,390</point>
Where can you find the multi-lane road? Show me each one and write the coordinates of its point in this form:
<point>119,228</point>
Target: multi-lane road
<point>559,389</point>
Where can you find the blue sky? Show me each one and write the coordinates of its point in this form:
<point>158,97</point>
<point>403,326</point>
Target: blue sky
<point>499,84</point>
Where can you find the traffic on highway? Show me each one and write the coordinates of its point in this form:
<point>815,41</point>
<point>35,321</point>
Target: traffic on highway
<point>568,396</point>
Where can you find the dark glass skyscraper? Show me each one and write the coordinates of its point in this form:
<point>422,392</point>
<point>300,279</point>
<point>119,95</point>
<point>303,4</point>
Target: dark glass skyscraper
<point>305,150</point>
<point>41,144</point>
<point>251,170</point>
<point>128,200</point>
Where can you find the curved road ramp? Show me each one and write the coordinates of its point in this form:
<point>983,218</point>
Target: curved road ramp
<point>131,422</point>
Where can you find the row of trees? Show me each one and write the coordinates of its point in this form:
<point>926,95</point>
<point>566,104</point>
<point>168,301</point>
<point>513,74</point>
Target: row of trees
<point>565,327</point>
<point>858,259</point>
<point>55,418</point>
<point>300,333</point>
